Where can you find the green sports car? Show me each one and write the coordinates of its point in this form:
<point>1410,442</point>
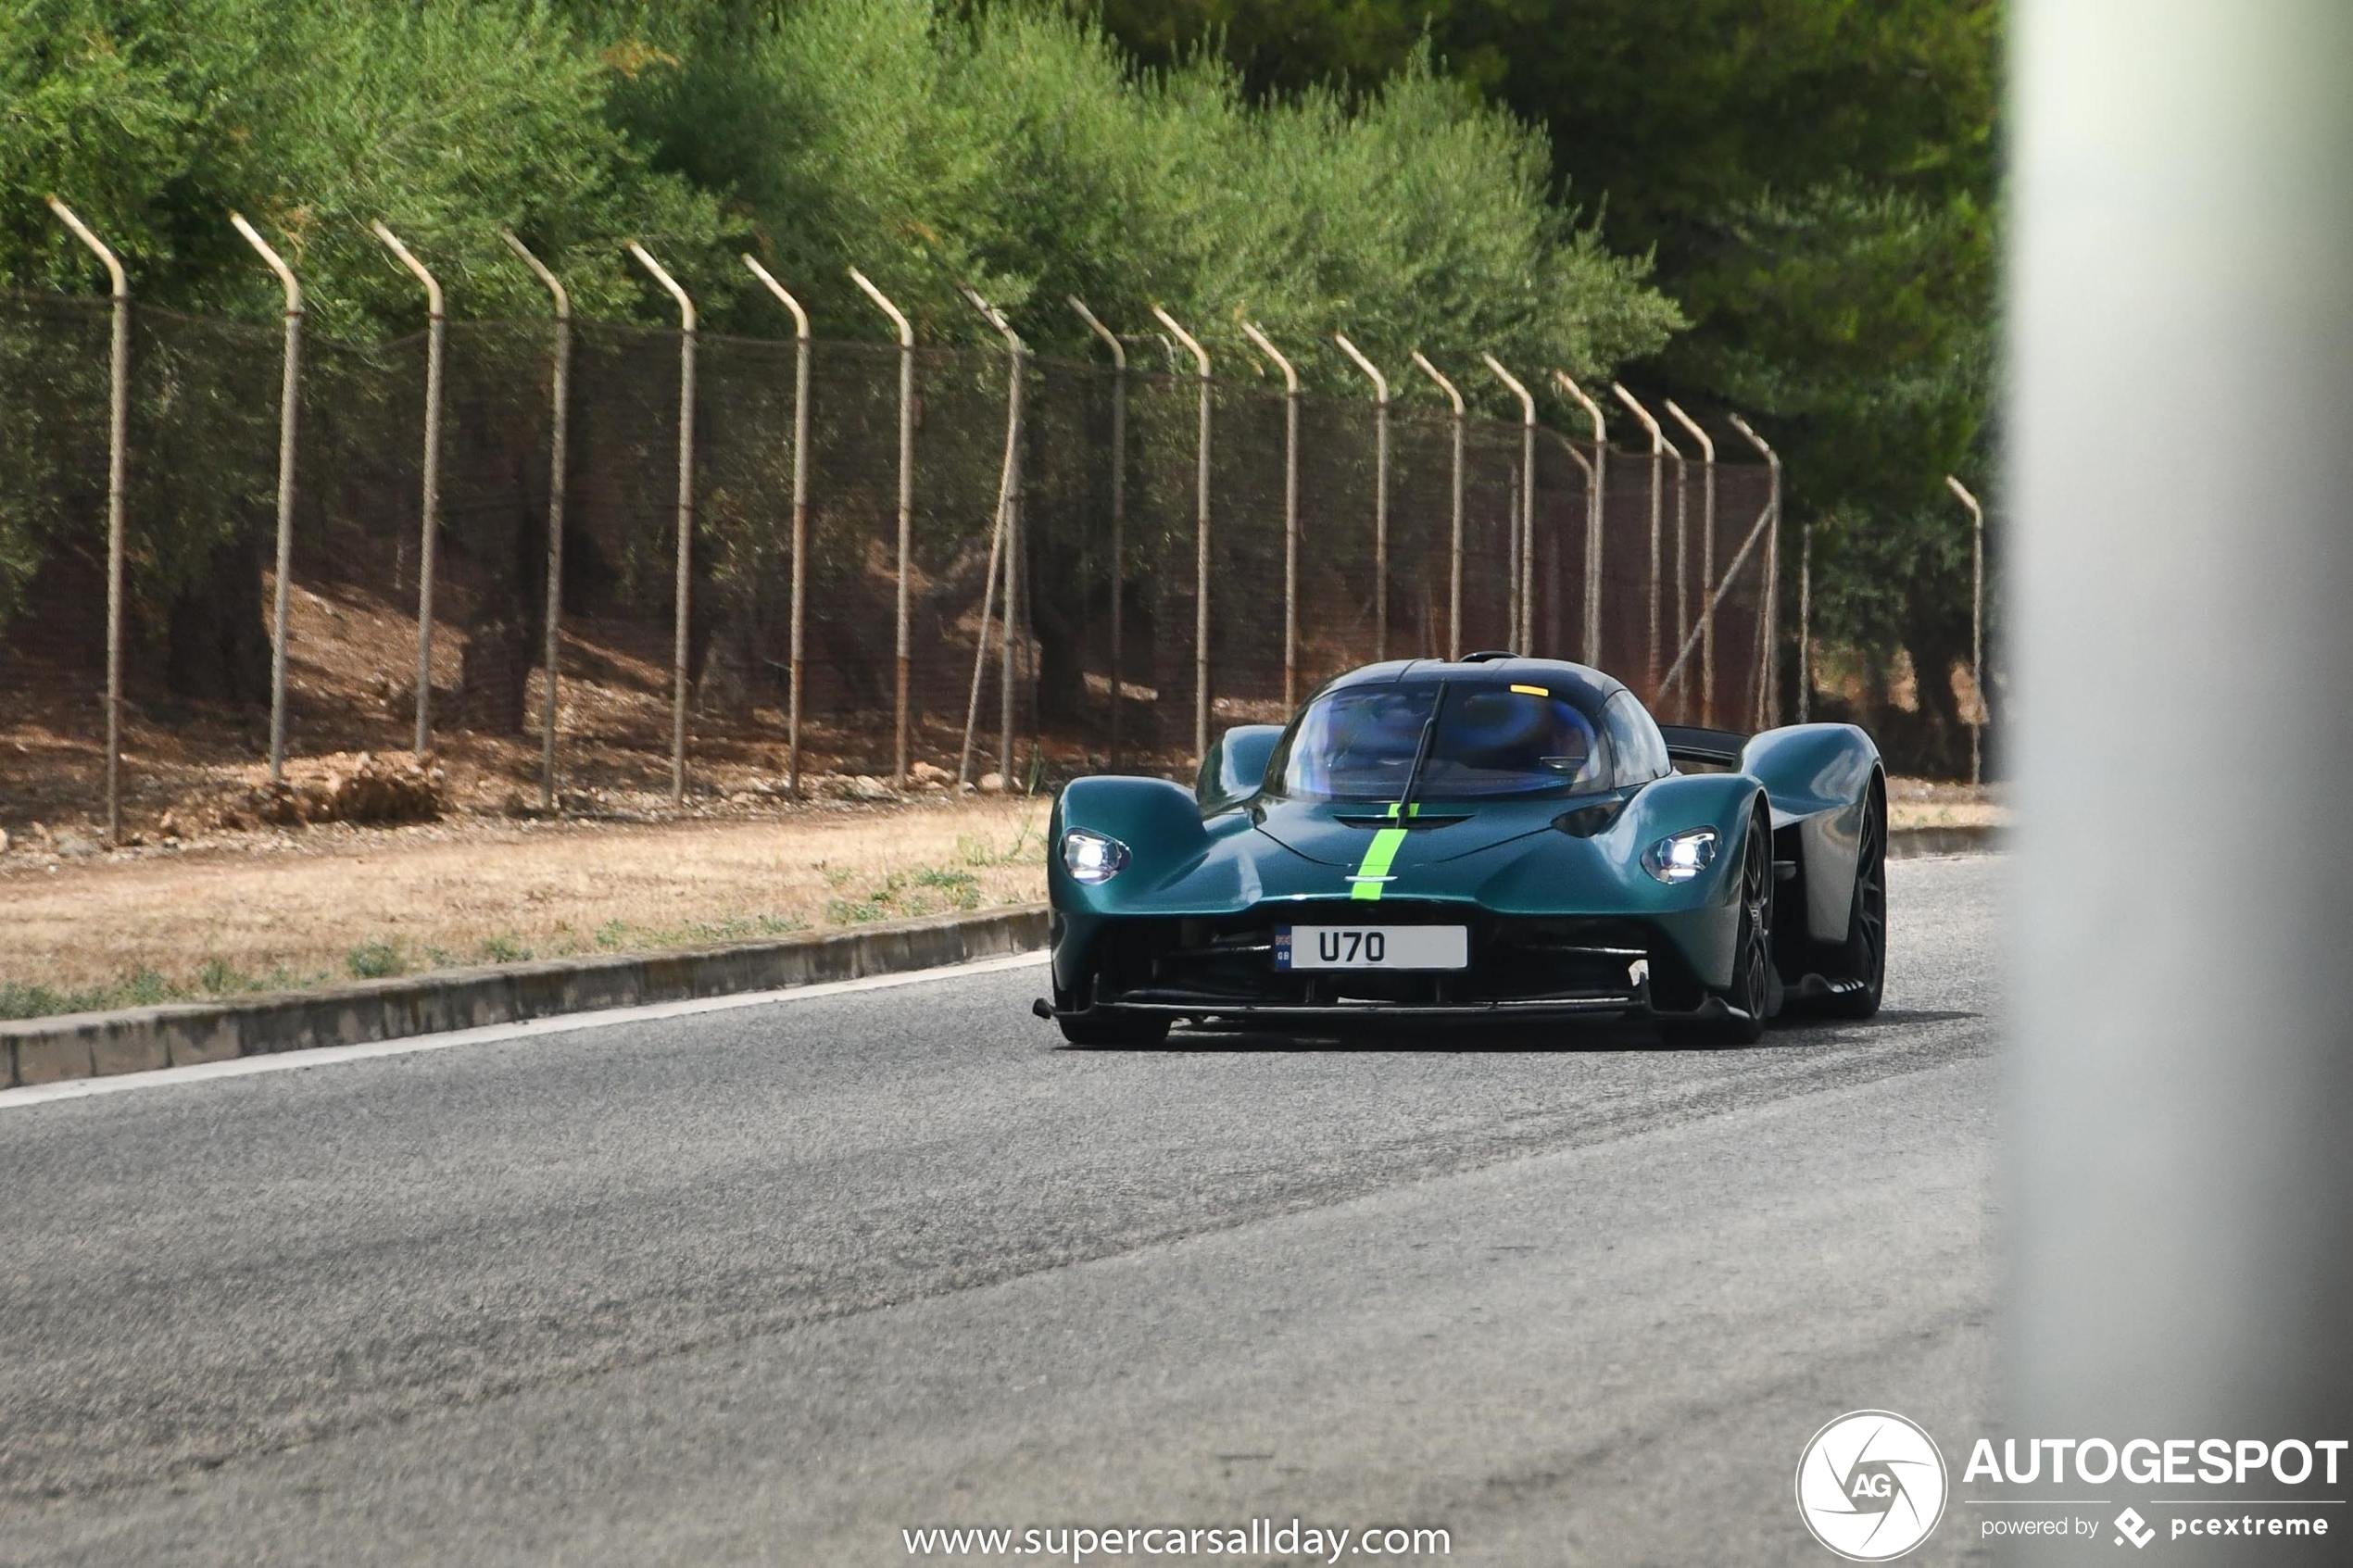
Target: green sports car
<point>1499,838</point>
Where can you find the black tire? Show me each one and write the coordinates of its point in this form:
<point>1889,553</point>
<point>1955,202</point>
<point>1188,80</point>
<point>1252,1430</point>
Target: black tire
<point>1114,1029</point>
<point>1754,986</point>
<point>1863,956</point>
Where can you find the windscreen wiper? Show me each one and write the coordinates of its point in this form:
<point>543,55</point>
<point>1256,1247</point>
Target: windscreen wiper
<point>1421,758</point>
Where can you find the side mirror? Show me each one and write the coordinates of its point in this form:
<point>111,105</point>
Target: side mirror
<point>1235,766</point>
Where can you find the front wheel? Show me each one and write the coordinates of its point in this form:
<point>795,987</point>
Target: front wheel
<point>1114,1029</point>
<point>1753,991</point>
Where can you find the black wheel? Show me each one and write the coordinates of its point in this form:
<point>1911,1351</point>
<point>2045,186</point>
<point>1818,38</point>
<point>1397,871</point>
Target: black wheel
<point>1863,956</point>
<point>1754,989</point>
<point>1114,1029</point>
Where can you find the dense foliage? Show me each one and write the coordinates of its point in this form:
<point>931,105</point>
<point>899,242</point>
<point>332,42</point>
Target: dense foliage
<point>1809,185</point>
<point>1018,150</point>
<point>1817,182</point>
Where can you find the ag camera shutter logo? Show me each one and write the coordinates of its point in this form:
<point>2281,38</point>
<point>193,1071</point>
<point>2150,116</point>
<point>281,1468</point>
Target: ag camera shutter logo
<point>1871,1485</point>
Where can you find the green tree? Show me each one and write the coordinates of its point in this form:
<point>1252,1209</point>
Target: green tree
<point>1816,184</point>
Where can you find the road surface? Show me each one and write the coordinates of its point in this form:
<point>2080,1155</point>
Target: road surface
<point>781,1282</point>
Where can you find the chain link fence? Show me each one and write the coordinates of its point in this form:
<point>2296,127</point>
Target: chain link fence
<point>1105,537</point>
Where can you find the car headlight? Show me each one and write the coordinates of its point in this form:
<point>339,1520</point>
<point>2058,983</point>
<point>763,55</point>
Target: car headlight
<point>1092,858</point>
<point>1682,855</point>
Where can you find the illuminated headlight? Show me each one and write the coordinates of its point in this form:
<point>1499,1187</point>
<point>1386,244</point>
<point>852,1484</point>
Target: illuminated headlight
<point>1682,855</point>
<point>1091,857</point>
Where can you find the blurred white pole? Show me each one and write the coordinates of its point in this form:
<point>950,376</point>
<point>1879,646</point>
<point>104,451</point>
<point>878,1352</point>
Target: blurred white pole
<point>429,528</point>
<point>1118,511</point>
<point>560,419</point>
<point>1597,479</point>
<point>1381,494</point>
<point>1454,573</point>
<point>289,405</point>
<point>1707,562</point>
<point>683,577</point>
<point>1291,511</point>
<point>1201,541</point>
<point>1976,627</point>
<point>117,443</point>
<point>2179,1084</point>
<point>906,513</point>
<point>799,591</point>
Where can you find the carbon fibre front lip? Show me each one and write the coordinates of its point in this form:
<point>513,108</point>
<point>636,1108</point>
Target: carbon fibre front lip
<point>1636,1004</point>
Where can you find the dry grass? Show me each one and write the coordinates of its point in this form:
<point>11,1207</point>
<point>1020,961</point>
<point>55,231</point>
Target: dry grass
<point>1922,803</point>
<point>260,911</point>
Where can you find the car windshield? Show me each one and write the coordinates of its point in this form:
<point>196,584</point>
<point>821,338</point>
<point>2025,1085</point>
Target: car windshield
<point>1358,744</point>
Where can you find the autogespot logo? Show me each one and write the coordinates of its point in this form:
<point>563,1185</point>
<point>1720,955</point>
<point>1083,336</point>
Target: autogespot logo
<point>1870,1486</point>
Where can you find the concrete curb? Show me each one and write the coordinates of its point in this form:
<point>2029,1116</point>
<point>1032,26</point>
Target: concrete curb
<point>1910,844</point>
<point>86,1044</point>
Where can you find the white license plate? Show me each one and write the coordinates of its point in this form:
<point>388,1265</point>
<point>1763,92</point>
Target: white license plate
<point>1372,946</point>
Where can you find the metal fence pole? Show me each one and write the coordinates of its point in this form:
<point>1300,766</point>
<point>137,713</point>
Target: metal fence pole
<point>1706,560</point>
<point>1586,466</point>
<point>118,456</point>
<point>904,721</point>
<point>429,525</point>
<point>1596,521</point>
<point>799,519</point>
<point>1658,450</point>
<point>1009,478</point>
<point>1772,714</point>
<point>1524,633</point>
<point>1381,495</point>
<point>1201,534</point>
<point>1976,627</point>
<point>289,402</point>
<point>1118,510</point>
<point>1756,533</point>
<point>1291,512</point>
<point>681,595</point>
<point>1009,510</point>
<point>1454,573</point>
<point>558,419</point>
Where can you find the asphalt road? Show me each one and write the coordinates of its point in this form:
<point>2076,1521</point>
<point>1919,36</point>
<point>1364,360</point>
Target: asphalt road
<point>774,1285</point>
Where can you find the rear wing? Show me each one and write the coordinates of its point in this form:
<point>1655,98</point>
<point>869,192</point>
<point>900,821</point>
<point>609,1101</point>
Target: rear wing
<point>1711,749</point>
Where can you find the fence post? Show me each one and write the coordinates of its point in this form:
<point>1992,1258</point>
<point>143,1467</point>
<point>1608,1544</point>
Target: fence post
<point>1758,531</point>
<point>1009,515</point>
<point>1454,573</point>
<point>1772,715</point>
<point>906,511</point>
<point>1000,524</point>
<point>1381,495</point>
<point>1976,625</point>
<point>1596,521</point>
<point>1291,512</point>
<point>1524,633</point>
<point>1658,449</point>
<point>1201,533</point>
<point>682,595</point>
<point>1706,560</point>
<point>560,415</point>
<point>289,399</point>
<point>429,527</point>
<point>799,519</point>
<point>1119,508</point>
<point>118,442</point>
